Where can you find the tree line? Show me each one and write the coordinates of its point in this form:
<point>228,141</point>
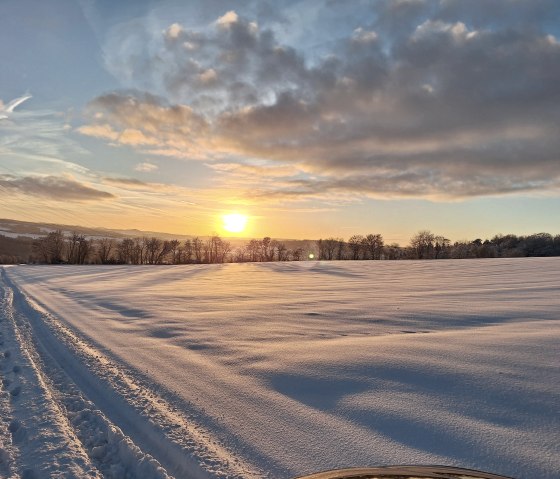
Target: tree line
<point>59,248</point>
<point>427,245</point>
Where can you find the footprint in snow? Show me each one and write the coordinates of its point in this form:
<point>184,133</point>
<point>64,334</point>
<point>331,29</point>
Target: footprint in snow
<point>18,431</point>
<point>15,392</point>
<point>14,426</point>
<point>16,369</point>
<point>29,474</point>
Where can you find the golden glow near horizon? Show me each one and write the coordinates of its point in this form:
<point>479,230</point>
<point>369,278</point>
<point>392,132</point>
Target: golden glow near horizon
<point>234,222</point>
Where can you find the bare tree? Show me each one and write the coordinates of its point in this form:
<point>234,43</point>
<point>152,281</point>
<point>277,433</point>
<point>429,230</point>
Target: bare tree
<point>216,250</point>
<point>240,255</point>
<point>41,249</point>
<point>297,254</point>
<point>175,251</point>
<point>197,249</point>
<point>187,251</point>
<point>139,251</point>
<point>84,250</point>
<point>105,248</point>
<point>340,249</point>
<point>329,247</point>
<point>51,247</point>
<point>267,250</point>
<point>78,249</point>
<point>393,251</point>
<point>356,245</point>
<point>254,250</point>
<point>72,248</point>
<point>157,250</point>
<point>374,245</point>
<point>441,247</point>
<point>153,248</point>
<point>224,251</point>
<point>56,246</point>
<point>281,251</point>
<point>423,244</point>
<point>125,251</point>
<point>321,251</point>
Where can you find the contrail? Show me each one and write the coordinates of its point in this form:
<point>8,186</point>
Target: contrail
<point>9,108</point>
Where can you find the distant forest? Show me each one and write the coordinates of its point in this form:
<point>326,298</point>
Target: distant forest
<point>58,248</point>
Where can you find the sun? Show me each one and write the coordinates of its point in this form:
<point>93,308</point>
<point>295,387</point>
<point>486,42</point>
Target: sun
<point>234,222</point>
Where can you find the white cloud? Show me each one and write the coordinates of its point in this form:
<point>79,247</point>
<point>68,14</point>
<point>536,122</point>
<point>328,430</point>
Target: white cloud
<point>190,46</point>
<point>104,130</point>
<point>173,31</point>
<point>552,40</point>
<point>458,30</point>
<point>364,36</point>
<point>228,18</point>
<point>208,76</point>
<point>146,167</point>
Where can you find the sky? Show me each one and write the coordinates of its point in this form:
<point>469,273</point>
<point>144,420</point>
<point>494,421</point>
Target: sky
<point>312,118</point>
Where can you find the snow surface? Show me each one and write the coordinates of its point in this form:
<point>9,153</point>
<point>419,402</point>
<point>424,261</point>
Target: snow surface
<point>10,234</point>
<point>280,369</point>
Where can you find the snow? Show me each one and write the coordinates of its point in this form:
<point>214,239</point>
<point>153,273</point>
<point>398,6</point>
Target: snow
<point>281,369</point>
<point>10,234</point>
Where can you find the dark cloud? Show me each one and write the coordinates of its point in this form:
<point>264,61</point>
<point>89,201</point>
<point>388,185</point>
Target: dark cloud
<point>445,99</point>
<point>52,187</point>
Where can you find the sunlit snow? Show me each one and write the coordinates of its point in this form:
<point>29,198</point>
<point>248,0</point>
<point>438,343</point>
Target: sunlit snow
<point>282,369</point>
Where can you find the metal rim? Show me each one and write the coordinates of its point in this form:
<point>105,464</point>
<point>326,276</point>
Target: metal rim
<point>404,472</point>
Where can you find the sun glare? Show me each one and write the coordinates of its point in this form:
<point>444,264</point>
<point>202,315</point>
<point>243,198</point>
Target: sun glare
<point>234,222</point>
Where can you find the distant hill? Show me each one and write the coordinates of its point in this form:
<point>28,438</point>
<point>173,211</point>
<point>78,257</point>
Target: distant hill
<point>14,228</point>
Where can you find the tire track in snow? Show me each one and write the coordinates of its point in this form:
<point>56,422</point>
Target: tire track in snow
<point>113,453</point>
<point>35,435</point>
<point>161,436</point>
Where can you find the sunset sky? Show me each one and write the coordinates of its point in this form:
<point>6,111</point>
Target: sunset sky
<point>313,118</point>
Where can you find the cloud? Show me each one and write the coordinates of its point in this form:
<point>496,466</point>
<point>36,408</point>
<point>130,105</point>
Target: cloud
<point>227,19</point>
<point>174,31</point>
<point>103,131</point>
<point>208,76</point>
<point>405,185</point>
<point>364,36</point>
<point>52,187</point>
<point>39,139</point>
<point>127,182</point>
<point>149,123</point>
<point>250,171</point>
<point>136,184</point>
<point>146,167</point>
<point>424,99</point>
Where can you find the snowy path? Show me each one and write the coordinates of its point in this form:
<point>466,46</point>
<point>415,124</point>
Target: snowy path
<point>283,369</point>
<point>94,410</point>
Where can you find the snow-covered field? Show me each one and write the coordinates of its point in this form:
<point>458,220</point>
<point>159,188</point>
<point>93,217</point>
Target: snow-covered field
<point>280,369</point>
